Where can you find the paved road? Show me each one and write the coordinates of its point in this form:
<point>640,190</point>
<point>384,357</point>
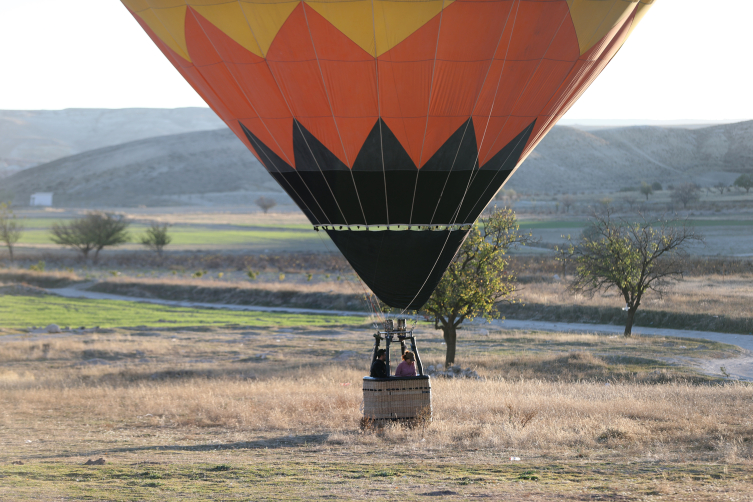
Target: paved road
<point>740,367</point>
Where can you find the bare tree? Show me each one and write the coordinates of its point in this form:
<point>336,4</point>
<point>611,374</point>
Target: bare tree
<point>93,232</point>
<point>685,193</point>
<point>567,201</point>
<point>721,186</point>
<point>631,256</point>
<point>156,237</point>
<point>265,203</point>
<point>630,200</point>
<point>10,228</point>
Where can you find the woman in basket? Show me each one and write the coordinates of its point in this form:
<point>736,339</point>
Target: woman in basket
<point>407,367</point>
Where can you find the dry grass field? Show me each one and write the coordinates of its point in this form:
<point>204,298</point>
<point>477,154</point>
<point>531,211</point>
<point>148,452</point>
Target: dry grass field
<point>249,413</point>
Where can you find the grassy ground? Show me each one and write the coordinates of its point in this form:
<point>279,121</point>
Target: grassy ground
<point>24,311</point>
<point>239,413</point>
<point>257,232</point>
<point>319,475</point>
<point>727,232</point>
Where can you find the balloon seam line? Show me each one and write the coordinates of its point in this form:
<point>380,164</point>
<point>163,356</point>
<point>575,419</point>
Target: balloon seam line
<point>473,108</point>
<point>428,111</point>
<point>334,119</point>
<point>260,118</point>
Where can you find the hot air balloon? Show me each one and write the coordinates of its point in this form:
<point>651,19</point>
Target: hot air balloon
<point>391,123</point>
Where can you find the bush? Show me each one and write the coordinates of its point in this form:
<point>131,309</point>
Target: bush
<point>156,237</point>
<point>656,186</point>
<point>744,181</point>
<point>39,267</point>
<point>10,228</point>
<point>265,203</point>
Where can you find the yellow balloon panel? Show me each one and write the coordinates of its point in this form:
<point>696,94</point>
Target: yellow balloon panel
<point>231,19</point>
<point>354,18</point>
<point>265,20</point>
<point>169,25</point>
<point>595,18</point>
<point>377,26</point>
<point>253,24</point>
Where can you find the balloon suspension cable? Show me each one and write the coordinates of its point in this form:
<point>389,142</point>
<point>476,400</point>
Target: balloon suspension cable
<point>474,174</point>
<point>367,296</point>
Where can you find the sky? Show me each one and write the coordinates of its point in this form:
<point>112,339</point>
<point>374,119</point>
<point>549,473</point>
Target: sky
<point>688,59</point>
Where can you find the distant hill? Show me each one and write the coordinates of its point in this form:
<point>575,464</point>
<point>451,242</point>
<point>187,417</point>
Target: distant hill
<point>29,138</point>
<point>215,168</point>
<point>570,159</point>
<point>199,168</point>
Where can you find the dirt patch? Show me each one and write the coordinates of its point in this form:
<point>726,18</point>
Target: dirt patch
<point>234,295</point>
<point>39,279</point>
<point>21,290</point>
<point>288,263</point>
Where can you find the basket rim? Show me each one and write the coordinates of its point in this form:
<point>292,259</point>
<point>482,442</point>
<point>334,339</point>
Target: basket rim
<point>393,378</point>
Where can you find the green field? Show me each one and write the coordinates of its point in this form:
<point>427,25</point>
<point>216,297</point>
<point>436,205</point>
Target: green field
<point>201,235</point>
<point>554,224</point>
<point>25,311</point>
<point>262,236</point>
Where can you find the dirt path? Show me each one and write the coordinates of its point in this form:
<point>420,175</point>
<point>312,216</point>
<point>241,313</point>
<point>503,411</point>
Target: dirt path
<point>739,367</point>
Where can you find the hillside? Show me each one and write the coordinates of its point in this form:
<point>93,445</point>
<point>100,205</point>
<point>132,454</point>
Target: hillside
<point>214,168</point>
<point>198,168</point>
<point>28,138</point>
<point>570,159</point>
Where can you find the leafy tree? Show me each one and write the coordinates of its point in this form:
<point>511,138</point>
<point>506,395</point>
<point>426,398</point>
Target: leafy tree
<point>478,278</point>
<point>631,256</point>
<point>656,186</point>
<point>265,203</point>
<point>156,237</point>
<point>744,181</point>
<point>646,189</point>
<point>93,232</point>
<point>10,228</point>
<point>685,193</point>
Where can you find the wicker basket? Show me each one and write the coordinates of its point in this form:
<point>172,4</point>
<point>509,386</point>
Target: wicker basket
<point>397,398</point>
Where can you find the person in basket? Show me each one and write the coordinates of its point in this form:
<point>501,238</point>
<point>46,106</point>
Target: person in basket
<point>408,366</point>
<point>379,367</point>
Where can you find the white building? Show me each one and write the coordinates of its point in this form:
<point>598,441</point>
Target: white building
<point>41,199</point>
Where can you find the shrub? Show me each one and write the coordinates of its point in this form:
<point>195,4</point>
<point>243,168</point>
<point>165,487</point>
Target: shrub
<point>93,232</point>
<point>265,203</point>
<point>156,237</point>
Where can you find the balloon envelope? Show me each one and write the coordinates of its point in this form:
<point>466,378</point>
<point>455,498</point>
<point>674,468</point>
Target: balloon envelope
<point>391,123</point>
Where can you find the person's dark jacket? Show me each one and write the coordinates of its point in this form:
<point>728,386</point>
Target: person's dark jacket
<point>379,369</point>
